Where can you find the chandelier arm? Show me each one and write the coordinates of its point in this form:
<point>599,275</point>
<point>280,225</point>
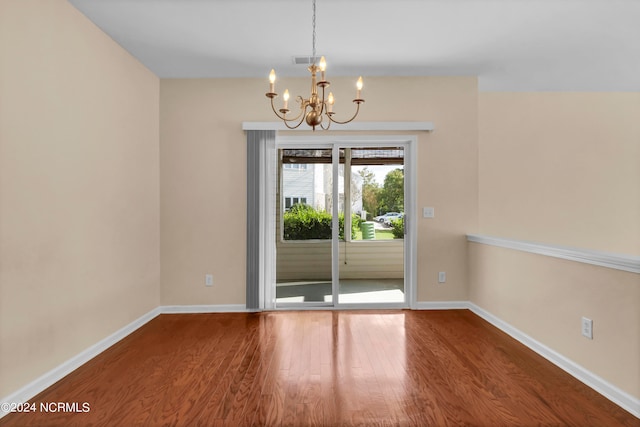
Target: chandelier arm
<point>303,109</point>
<point>286,122</point>
<point>285,119</point>
<point>275,112</point>
<point>325,128</point>
<point>322,106</point>
<point>350,120</point>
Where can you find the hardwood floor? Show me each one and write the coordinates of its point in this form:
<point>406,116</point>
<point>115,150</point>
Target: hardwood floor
<point>322,368</point>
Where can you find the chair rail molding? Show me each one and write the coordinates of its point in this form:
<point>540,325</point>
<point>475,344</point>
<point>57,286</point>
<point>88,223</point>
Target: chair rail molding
<point>622,262</point>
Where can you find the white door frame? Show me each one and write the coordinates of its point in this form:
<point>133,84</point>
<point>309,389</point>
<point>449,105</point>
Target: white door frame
<point>267,212</point>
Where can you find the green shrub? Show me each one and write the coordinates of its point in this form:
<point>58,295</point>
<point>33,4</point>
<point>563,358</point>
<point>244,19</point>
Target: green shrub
<point>398,228</point>
<point>303,222</point>
<point>356,220</point>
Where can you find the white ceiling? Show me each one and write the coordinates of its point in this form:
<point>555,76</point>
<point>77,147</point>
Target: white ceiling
<point>511,45</point>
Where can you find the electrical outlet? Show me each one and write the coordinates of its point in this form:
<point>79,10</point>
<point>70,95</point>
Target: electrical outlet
<point>442,277</point>
<point>208,279</point>
<point>587,328</point>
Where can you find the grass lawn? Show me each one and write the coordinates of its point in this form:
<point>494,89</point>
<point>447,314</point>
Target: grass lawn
<point>380,235</point>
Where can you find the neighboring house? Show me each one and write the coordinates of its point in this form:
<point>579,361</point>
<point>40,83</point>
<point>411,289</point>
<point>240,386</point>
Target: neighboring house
<point>298,184</point>
<point>311,184</point>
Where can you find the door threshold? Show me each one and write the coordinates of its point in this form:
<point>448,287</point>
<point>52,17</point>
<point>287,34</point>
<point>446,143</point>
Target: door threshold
<point>363,306</point>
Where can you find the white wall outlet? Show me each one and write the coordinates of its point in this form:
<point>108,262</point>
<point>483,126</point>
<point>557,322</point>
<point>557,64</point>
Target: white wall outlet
<point>587,328</point>
<point>428,212</point>
<point>442,277</point>
<point>208,279</point>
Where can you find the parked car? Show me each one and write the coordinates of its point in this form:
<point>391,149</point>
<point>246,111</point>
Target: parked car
<point>389,219</point>
<point>381,218</point>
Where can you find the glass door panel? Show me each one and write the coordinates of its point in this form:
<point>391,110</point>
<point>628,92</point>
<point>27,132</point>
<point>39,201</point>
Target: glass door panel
<point>304,227</point>
<point>371,255</point>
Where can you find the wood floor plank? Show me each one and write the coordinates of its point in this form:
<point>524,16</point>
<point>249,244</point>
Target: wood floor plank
<point>323,368</point>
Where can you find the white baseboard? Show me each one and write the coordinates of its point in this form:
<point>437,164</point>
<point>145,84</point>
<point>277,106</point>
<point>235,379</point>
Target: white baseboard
<point>441,305</point>
<point>43,382</point>
<point>220,308</point>
<point>611,392</point>
<point>608,390</point>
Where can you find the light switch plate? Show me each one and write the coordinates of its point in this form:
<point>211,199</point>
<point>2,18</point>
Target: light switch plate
<point>428,212</point>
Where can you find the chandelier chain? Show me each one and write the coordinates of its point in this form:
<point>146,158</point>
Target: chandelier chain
<point>313,39</point>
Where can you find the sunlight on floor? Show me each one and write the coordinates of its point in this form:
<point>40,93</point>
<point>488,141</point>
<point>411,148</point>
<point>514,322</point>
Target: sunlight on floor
<point>290,299</point>
<point>352,291</point>
<point>391,295</point>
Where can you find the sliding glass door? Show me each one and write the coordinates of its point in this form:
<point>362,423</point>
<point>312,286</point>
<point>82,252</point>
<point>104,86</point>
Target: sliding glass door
<point>340,224</point>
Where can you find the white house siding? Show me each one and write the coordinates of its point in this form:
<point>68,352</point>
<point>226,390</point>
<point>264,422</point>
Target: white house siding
<point>299,183</point>
<point>311,260</point>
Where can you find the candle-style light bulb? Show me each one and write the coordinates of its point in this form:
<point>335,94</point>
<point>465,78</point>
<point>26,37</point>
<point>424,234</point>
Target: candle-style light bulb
<point>359,88</point>
<point>323,67</point>
<point>330,101</point>
<point>272,80</point>
<point>285,97</point>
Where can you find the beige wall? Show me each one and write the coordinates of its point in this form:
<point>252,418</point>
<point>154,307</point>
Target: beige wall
<point>79,192</point>
<point>203,168</point>
<point>562,168</point>
<point>546,297</point>
<point>81,172</point>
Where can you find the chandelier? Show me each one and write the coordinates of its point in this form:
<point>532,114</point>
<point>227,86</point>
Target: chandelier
<point>316,107</point>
